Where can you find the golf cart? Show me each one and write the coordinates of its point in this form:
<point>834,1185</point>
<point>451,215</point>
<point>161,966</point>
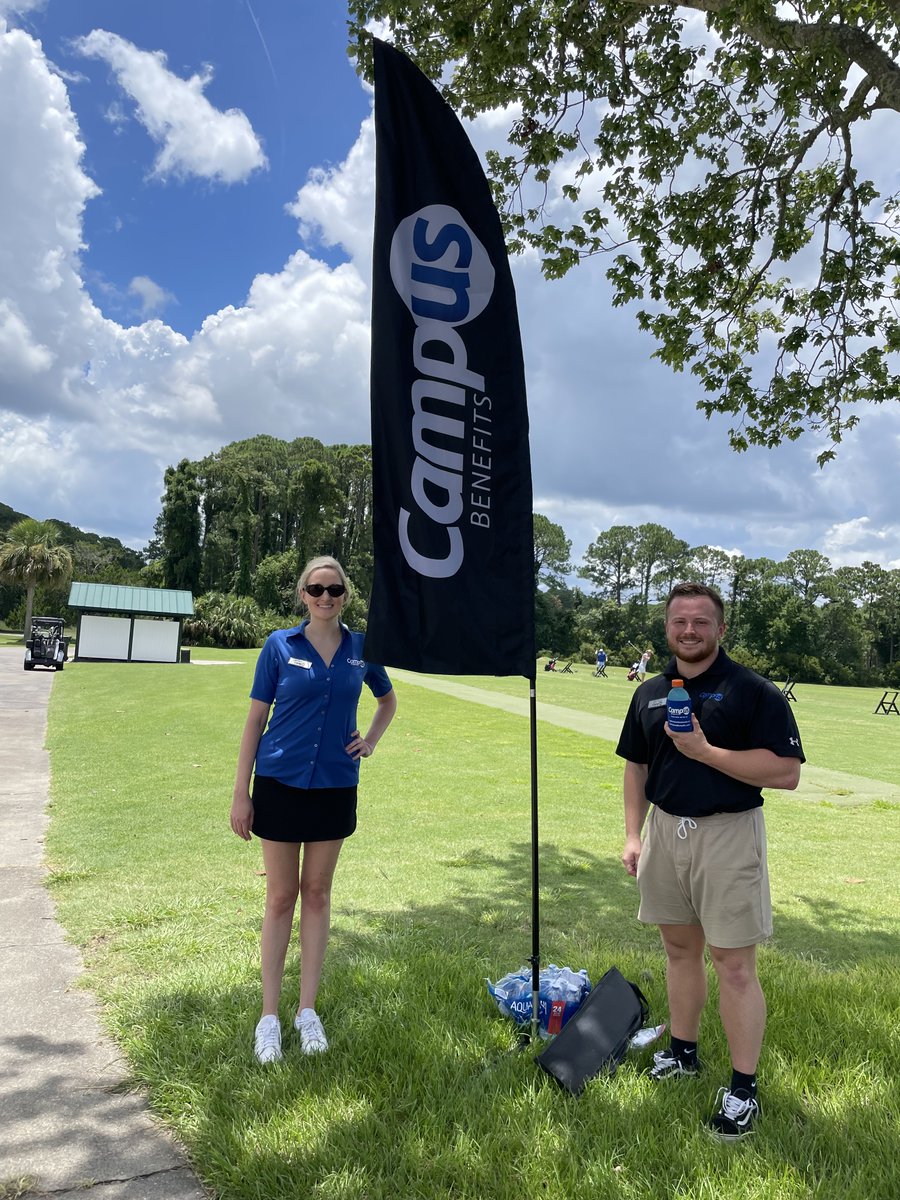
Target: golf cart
<point>47,647</point>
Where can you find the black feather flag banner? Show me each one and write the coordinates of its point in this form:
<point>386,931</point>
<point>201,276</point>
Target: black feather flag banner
<point>453,585</point>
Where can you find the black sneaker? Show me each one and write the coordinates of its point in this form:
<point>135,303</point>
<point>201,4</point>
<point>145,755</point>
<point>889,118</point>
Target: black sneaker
<point>666,1065</point>
<point>735,1118</point>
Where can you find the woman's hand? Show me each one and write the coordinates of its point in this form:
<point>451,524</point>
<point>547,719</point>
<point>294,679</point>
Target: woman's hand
<point>242,815</point>
<point>359,747</point>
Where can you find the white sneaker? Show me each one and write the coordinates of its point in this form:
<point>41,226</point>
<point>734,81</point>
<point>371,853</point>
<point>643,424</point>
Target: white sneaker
<point>312,1035</point>
<point>267,1040</point>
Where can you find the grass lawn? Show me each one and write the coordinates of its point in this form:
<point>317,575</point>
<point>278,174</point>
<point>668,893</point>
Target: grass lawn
<point>419,1096</point>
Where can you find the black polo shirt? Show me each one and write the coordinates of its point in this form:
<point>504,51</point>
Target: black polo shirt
<point>737,710</point>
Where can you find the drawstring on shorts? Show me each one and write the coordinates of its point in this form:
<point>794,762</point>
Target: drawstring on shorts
<point>684,824</point>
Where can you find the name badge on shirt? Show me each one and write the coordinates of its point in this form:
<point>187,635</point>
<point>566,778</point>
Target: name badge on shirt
<point>651,704</point>
<point>299,662</point>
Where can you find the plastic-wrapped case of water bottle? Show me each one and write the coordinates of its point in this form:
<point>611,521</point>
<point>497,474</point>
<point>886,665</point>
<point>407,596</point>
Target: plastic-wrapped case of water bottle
<point>562,991</point>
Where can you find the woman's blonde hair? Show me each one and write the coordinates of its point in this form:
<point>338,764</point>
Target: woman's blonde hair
<point>316,564</point>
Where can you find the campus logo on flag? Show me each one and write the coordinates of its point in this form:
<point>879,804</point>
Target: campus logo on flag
<point>454,584</point>
<point>445,278</point>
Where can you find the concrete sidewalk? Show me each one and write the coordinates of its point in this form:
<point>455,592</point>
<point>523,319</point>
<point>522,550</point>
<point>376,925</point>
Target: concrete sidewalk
<point>65,1127</point>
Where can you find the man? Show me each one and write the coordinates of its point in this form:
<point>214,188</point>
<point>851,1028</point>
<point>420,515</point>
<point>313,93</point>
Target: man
<point>601,662</point>
<point>701,860</point>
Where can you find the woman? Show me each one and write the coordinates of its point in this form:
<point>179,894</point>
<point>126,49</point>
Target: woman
<point>304,790</point>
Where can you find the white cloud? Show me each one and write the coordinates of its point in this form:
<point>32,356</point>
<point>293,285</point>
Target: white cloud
<point>12,8</point>
<point>848,543</point>
<point>337,205</point>
<point>194,137</point>
<point>117,116</point>
<point>293,359</point>
<point>153,298</point>
<point>21,358</point>
<point>46,318</point>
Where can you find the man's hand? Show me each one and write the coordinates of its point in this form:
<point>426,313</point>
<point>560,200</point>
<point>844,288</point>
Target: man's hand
<point>691,745</point>
<point>630,855</point>
<point>759,767</point>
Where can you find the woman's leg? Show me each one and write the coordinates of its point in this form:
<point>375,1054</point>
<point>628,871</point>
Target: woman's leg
<point>282,863</point>
<point>319,862</point>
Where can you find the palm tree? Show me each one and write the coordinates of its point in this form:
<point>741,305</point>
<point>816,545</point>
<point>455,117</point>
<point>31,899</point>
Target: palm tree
<point>30,555</point>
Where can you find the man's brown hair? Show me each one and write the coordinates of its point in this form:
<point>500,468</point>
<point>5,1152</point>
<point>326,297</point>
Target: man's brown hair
<point>697,589</point>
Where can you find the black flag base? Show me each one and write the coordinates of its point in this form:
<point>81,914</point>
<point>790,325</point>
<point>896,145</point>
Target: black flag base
<point>532,1035</point>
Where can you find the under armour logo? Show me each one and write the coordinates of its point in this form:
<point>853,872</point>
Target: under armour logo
<point>794,741</point>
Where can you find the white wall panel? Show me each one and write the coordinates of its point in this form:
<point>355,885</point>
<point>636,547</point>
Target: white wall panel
<point>155,641</point>
<point>103,637</point>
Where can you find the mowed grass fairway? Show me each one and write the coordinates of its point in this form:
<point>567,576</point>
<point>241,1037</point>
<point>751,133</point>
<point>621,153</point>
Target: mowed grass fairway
<point>420,1095</point>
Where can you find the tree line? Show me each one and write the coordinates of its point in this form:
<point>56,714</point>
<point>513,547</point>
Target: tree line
<point>236,527</point>
<point>798,617</point>
<point>37,561</point>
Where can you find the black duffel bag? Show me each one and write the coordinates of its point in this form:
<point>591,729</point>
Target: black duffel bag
<point>595,1039</point>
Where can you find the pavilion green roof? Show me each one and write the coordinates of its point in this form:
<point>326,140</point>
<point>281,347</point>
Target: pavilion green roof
<point>109,597</point>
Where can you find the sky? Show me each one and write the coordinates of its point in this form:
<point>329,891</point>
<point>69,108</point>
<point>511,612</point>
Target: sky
<point>186,210</point>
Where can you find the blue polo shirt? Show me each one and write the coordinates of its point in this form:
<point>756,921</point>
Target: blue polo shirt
<point>314,713</point>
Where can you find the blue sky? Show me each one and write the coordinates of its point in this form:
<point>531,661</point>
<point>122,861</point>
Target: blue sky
<point>284,66</point>
<point>185,243</point>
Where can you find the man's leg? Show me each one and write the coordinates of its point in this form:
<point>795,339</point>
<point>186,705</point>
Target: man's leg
<point>687,987</point>
<point>742,1005</point>
<point>685,978</point>
<point>743,1010</point>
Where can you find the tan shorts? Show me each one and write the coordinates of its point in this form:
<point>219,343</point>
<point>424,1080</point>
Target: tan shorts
<point>711,873</point>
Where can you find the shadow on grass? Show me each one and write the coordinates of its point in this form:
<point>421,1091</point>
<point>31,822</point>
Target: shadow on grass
<point>421,1096</point>
<point>585,897</point>
<point>834,934</point>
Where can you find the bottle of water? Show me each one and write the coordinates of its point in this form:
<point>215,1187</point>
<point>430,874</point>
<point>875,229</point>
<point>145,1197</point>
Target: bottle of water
<point>678,708</point>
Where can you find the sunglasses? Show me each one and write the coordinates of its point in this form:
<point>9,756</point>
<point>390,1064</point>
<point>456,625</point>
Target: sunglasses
<point>316,589</point>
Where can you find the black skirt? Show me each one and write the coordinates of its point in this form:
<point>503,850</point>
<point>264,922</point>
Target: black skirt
<point>282,813</point>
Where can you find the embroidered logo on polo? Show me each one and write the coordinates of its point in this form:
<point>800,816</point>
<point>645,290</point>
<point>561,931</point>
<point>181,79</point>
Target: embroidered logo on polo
<point>712,695</point>
<point>356,662</point>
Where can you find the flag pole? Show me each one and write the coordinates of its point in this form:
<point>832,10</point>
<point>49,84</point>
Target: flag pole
<point>535,959</point>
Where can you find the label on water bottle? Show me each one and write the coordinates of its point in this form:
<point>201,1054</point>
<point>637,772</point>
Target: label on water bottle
<point>557,1012</point>
<point>678,710</point>
<point>679,718</point>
